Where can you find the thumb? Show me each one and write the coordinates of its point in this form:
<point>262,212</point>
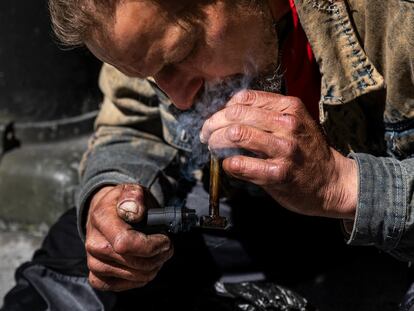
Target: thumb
<point>130,205</point>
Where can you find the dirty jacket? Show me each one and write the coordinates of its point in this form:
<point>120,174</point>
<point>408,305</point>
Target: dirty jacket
<point>365,52</point>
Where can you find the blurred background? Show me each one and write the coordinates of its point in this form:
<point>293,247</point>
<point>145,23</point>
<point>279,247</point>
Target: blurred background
<point>48,102</point>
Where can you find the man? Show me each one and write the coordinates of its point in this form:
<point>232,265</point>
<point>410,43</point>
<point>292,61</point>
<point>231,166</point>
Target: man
<point>357,52</point>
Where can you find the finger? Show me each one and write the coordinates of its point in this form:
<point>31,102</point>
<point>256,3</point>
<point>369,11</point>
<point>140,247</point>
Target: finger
<point>270,101</point>
<point>121,236</point>
<point>259,99</point>
<point>258,171</point>
<point>137,244</point>
<point>250,116</point>
<point>263,144</point>
<point>130,206</point>
<point>112,269</point>
<point>100,194</point>
<point>103,251</point>
<point>112,284</point>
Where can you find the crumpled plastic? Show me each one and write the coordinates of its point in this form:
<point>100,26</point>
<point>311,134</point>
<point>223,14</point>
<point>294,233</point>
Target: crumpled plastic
<point>263,296</point>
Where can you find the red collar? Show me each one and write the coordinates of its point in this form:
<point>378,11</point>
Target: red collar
<point>301,72</point>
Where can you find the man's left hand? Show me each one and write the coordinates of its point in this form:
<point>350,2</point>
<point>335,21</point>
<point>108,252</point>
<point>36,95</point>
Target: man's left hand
<point>294,162</point>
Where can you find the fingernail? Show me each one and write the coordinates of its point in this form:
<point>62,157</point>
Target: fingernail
<point>202,138</point>
<point>165,248</point>
<point>129,207</point>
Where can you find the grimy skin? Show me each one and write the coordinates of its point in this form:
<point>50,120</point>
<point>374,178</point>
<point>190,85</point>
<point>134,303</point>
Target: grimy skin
<point>301,171</point>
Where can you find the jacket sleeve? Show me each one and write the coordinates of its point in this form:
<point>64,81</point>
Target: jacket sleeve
<point>385,211</point>
<point>127,146</point>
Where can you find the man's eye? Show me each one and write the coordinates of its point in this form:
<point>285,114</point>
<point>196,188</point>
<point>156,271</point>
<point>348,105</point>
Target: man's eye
<point>188,56</point>
<point>170,65</point>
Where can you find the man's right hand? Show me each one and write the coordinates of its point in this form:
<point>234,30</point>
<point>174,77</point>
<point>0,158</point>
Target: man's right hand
<point>119,257</point>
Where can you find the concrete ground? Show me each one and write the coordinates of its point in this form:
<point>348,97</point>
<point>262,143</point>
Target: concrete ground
<point>15,249</point>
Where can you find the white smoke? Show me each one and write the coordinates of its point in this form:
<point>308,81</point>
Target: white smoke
<point>213,98</point>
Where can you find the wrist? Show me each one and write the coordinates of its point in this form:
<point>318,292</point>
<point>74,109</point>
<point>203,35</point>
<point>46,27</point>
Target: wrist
<point>345,188</point>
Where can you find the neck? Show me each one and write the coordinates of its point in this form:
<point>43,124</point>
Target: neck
<point>278,8</point>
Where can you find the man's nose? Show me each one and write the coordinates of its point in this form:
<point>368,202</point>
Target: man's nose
<point>180,87</point>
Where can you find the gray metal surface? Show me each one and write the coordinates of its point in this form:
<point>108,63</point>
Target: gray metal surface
<point>38,181</point>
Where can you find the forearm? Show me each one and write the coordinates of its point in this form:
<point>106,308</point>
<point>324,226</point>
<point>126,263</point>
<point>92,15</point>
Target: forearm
<point>123,155</point>
<point>128,145</point>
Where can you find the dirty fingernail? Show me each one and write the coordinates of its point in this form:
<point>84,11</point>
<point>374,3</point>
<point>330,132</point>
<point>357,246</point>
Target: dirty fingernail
<point>129,207</point>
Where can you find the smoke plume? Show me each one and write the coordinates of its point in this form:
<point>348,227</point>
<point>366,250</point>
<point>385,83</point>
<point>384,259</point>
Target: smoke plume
<point>213,98</point>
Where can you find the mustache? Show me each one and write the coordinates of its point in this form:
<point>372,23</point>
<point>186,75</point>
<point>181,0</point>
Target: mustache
<point>215,95</point>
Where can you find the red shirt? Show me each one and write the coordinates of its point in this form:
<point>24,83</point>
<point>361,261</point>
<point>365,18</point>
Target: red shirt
<point>301,72</point>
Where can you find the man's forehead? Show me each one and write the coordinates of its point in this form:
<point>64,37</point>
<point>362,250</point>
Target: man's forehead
<point>139,38</point>
<point>186,9</point>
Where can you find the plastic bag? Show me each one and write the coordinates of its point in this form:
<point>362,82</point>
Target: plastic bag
<point>261,296</point>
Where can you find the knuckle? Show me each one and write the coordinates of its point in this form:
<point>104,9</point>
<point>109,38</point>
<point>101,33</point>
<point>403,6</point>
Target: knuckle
<point>235,112</point>
<point>237,133</point>
<point>121,243</point>
<point>283,175</point>
<point>270,117</point>
<point>237,165</point>
<point>294,102</point>
<point>246,96</point>
<point>94,247</point>
<point>272,175</point>
<point>268,171</point>
<point>89,246</point>
<point>292,122</point>
<point>93,282</point>
<point>291,147</point>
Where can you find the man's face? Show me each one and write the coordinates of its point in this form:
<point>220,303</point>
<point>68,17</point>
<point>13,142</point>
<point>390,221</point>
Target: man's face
<point>185,44</point>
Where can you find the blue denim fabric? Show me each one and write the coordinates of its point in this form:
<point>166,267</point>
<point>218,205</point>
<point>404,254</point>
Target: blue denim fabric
<point>62,292</point>
<point>384,215</point>
<point>115,160</point>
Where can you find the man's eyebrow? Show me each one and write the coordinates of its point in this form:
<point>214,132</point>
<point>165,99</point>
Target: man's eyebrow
<point>189,52</point>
